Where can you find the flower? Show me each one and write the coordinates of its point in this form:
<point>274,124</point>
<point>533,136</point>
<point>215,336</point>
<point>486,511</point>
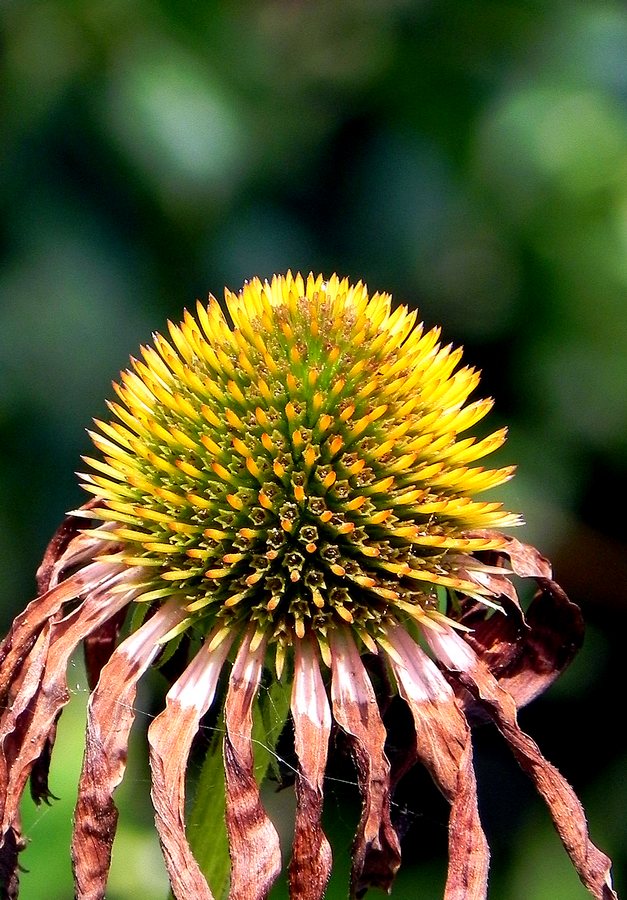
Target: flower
<point>285,484</point>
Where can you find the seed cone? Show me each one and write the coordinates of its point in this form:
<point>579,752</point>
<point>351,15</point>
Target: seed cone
<point>296,463</point>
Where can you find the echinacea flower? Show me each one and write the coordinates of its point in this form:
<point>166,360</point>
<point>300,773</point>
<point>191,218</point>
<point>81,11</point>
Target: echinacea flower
<point>286,484</point>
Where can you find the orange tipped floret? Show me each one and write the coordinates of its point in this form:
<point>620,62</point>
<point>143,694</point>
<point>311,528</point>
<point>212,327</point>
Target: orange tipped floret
<point>315,441</point>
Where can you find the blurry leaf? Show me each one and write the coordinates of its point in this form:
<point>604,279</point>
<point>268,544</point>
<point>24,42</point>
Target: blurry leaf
<point>175,122</point>
<point>541,143</point>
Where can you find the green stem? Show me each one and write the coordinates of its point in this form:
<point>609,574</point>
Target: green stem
<point>269,718</point>
<point>207,829</point>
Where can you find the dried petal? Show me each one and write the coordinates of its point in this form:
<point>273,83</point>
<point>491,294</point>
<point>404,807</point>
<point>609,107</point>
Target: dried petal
<point>43,692</point>
<point>13,721</point>
<point>311,854</point>
<point>13,728</point>
<point>39,789</point>
<point>25,628</point>
<point>527,660</point>
<point>524,560</point>
<point>443,745</point>
<point>469,855</point>
<point>593,866</point>
<point>66,533</point>
<point>526,654</point>
<point>253,840</point>
<point>109,719</point>
<point>99,645</point>
<point>13,845</point>
<point>356,712</point>
<point>170,737</point>
<point>511,556</point>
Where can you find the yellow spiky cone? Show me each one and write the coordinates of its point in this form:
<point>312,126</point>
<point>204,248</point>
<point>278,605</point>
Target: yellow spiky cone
<point>297,461</point>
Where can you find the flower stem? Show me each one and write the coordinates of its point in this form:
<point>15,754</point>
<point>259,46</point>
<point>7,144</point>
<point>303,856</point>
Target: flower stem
<point>207,830</point>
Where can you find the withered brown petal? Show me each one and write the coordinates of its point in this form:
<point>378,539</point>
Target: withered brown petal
<point>527,661</point>
<point>40,773</point>
<point>526,653</point>
<point>109,718</point>
<point>99,645</point>
<point>23,633</point>
<point>170,738</point>
<point>524,559</point>
<point>13,845</point>
<point>310,866</point>
<point>592,865</point>
<point>444,747</point>
<point>58,544</point>
<point>469,855</point>
<point>253,840</point>
<point>13,727</point>
<point>356,712</point>
<point>43,693</point>
<point>15,718</point>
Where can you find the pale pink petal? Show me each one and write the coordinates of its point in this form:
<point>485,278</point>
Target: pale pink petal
<point>170,737</point>
<point>311,852</point>
<point>443,745</point>
<point>109,718</point>
<point>593,866</point>
<point>253,840</point>
<point>356,711</point>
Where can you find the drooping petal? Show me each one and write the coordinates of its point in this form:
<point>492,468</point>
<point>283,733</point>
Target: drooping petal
<point>170,738</point>
<point>25,628</point>
<point>66,547</point>
<point>21,664</point>
<point>41,692</point>
<point>14,843</point>
<point>311,853</point>
<point>109,719</point>
<point>593,866</point>
<point>99,645</point>
<point>12,736</point>
<point>355,710</point>
<point>253,840</point>
<point>527,661</point>
<point>525,652</point>
<point>25,687</point>
<point>38,782</point>
<point>443,746</point>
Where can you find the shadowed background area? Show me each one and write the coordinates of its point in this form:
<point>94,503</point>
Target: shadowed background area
<point>471,158</point>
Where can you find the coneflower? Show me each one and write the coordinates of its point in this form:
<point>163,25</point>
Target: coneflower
<point>285,484</point>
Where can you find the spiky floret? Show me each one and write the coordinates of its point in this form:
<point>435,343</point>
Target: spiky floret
<point>289,472</point>
<point>296,463</point>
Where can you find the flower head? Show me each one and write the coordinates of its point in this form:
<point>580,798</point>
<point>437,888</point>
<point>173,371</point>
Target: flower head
<point>286,482</point>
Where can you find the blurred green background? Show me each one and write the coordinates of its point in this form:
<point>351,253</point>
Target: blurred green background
<point>470,157</point>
